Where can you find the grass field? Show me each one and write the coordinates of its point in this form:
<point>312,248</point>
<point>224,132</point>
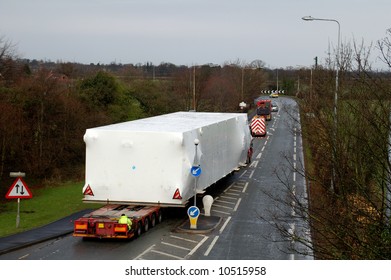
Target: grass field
<point>47,205</point>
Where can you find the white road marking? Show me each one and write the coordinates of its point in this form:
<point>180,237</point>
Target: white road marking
<point>243,174</point>
<point>229,197</point>
<point>254,164</point>
<point>198,245</point>
<point>146,251</point>
<point>166,254</point>
<point>211,245</point>
<point>25,256</point>
<point>223,201</point>
<point>222,212</point>
<point>225,224</point>
<point>184,239</point>
<point>221,206</point>
<point>232,194</point>
<point>245,187</point>
<point>237,204</point>
<point>236,190</point>
<point>175,246</point>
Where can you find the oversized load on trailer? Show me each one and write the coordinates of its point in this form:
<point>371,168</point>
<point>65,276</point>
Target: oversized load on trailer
<point>148,161</point>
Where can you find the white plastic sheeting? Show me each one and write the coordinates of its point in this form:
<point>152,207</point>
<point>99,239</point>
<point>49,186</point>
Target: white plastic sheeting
<point>148,161</point>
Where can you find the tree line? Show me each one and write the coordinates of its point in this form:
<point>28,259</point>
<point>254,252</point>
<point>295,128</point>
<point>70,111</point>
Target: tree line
<point>46,107</point>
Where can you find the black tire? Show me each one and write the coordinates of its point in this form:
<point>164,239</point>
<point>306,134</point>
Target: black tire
<point>146,225</point>
<point>159,217</point>
<point>153,220</point>
<point>138,229</point>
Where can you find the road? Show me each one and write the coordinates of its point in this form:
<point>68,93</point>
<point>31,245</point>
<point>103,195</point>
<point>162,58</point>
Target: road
<point>253,203</point>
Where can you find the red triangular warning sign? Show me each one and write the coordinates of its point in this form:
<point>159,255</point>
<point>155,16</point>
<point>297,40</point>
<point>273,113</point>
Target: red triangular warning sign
<point>177,195</point>
<point>88,191</point>
<point>19,189</point>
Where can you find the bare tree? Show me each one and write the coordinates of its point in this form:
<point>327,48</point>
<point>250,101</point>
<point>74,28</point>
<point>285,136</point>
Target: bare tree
<point>384,46</point>
<point>352,222</point>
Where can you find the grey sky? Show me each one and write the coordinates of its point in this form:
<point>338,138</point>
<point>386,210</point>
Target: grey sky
<point>189,32</point>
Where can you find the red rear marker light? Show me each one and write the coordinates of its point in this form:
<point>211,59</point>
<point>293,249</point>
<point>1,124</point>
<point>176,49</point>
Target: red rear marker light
<point>121,228</point>
<point>81,226</point>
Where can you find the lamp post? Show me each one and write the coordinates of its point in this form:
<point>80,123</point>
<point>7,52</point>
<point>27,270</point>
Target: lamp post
<point>194,89</point>
<point>310,18</point>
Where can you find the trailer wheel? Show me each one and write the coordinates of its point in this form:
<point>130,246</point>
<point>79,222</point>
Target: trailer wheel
<point>153,220</point>
<point>138,229</point>
<point>159,216</point>
<point>146,225</point>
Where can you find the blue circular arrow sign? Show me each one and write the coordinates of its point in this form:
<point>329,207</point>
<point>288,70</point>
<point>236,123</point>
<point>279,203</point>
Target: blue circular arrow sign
<point>193,212</point>
<point>195,171</point>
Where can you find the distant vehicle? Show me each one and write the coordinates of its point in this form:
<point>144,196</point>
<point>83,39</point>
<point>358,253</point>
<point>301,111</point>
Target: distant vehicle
<point>264,108</point>
<point>274,107</point>
<point>274,95</point>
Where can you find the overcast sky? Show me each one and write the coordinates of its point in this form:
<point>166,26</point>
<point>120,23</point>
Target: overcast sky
<point>189,32</point>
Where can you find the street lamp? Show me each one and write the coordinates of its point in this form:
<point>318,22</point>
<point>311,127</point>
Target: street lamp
<point>310,18</point>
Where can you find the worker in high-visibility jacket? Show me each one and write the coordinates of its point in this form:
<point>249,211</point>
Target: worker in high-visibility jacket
<point>125,220</point>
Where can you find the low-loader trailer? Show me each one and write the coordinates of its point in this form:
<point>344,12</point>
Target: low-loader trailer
<point>103,223</point>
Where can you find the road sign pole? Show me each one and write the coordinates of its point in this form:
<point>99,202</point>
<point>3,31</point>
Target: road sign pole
<point>196,142</point>
<point>18,190</point>
<point>18,214</point>
<point>193,212</point>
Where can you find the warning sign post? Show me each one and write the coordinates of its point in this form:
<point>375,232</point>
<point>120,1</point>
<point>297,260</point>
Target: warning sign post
<point>18,189</point>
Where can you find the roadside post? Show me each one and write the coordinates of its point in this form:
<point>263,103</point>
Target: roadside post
<point>18,189</point>
<point>207,200</point>
<point>193,212</point>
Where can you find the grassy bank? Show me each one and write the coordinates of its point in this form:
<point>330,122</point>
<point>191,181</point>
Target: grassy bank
<point>47,205</point>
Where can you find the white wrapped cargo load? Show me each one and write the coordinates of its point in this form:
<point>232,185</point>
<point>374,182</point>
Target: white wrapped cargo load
<point>148,161</point>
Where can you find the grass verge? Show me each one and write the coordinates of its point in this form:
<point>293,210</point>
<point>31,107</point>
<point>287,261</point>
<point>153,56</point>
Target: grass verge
<point>47,205</point>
